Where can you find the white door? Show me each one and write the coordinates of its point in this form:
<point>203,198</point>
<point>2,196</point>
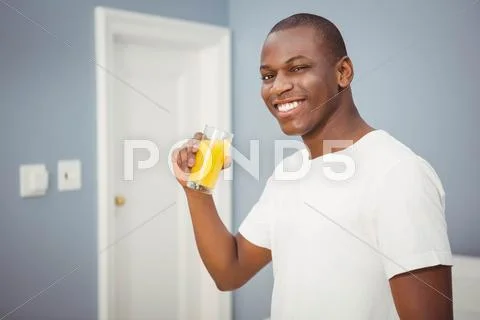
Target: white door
<point>146,262</point>
<point>155,95</point>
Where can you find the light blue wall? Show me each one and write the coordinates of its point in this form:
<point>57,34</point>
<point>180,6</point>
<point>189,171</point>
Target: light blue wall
<point>416,65</point>
<point>47,99</point>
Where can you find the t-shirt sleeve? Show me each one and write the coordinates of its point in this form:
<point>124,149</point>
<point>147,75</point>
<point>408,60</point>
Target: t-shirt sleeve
<point>410,218</point>
<point>256,227</point>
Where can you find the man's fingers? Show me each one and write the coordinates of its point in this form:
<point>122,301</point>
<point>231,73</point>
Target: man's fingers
<point>191,156</point>
<point>179,160</point>
<point>198,136</point>
<point>193,145</point>
<point>179,172</point>
<point>192,149</point>
<point>184,158</point>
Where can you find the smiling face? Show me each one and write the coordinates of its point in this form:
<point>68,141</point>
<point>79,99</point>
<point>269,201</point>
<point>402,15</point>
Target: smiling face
<point>298,77</point>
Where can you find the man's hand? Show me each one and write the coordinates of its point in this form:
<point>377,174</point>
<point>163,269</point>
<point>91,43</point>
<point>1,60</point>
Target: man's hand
<point>183,159</point>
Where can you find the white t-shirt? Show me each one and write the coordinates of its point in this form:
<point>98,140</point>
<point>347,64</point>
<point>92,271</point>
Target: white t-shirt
<point>336,239</point>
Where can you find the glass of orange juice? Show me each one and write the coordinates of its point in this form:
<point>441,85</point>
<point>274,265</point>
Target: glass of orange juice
<point>213,149</point>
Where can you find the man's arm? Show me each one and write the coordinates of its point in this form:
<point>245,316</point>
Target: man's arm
<point>230,260</point>
<point>424,294</point>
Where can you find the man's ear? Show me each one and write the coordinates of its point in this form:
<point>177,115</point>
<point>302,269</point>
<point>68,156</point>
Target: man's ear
<point>344,72</point>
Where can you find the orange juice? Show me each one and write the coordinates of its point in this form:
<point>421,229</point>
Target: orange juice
<point>209,161</point>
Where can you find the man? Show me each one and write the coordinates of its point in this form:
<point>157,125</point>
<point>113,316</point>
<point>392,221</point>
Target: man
<point>370,245</point>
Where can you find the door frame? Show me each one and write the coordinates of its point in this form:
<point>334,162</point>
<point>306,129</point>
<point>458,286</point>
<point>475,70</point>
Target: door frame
<point>110,23</point>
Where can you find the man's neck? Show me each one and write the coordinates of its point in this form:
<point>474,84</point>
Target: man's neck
<point>343,128</point>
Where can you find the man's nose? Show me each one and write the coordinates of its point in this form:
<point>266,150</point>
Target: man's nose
<point>281,84</point>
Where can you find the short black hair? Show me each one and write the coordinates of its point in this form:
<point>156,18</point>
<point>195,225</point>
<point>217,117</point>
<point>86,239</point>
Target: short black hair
<point>324,27</point>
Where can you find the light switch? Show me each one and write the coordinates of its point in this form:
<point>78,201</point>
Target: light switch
<point>33,180</point>
<point>69,175</point>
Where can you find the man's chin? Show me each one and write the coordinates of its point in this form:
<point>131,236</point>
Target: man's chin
<point>291,131</point>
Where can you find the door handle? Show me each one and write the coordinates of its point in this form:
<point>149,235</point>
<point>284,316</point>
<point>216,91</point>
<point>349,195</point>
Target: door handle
<point>120,201</point>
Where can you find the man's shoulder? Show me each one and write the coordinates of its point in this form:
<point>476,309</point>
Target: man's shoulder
<point>389,153</point>
<point>386,150</point>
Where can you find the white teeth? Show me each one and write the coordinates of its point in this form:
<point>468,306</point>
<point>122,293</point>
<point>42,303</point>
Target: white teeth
<point>287,106</point>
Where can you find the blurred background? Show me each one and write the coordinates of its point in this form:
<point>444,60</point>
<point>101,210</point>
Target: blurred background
<point>416,76</point>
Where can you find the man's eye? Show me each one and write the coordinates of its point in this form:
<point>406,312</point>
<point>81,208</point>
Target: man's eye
<point>267,77</point>
<point>298,68</point>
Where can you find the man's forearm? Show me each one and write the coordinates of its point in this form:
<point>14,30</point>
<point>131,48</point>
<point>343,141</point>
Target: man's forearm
<point>216,245</point>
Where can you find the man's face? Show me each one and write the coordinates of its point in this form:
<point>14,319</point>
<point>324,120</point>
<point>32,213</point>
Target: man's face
<point>297,78</point>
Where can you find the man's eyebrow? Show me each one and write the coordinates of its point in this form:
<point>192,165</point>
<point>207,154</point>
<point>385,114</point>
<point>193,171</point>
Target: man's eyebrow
<point>295,58</point>
<point>266,66</point>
